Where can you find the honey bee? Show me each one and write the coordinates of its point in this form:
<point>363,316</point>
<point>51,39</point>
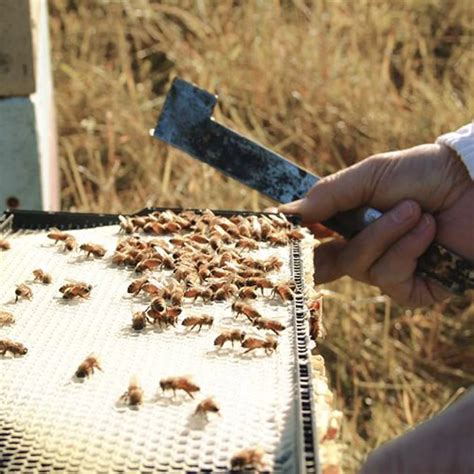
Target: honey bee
<point>86,369</point>
<point>138,221</point>
<point>75,289</point>
<point>247,293</point>
<point>221,234</point>
<point>263,283</point>
<point>199,292</point>
<point>161,244</point>
<point>270,324</point>
<point>316,327</point>
<point>154,290</point>
<point>248,458</point>
<point>251,343</point>
<point>139,320</point>
<point>6,318</point>
<point>230,335</point>
<point>178,241</point>
<point>134,395</point>
<point>158,304</point>
<point>120,258</point>
<point>246,243</point>
<point>284,291</point>
<point>225,292</point>
<point>154,227</point>
<point>94,249</point>
<point>14,348</point>
<point>23,291</point>
<point>208,217</point>
<point>219,273</point>
<point>70,243</point>
<point>4,244</point>
<point>148,264</point>
<point>41,276</point>
<point>314,306</point>
<point>280,221</point>
<point>266,228</point>
<point>204,272</point>
<point>256,227</point>
<point>58,235</point>
<point>137,285</point>
<point>228,226</point>
<point>199,321</point>
<point>273,263</point>
<point>215,242</point>
<point>177,295</point>
<point>164,318</point>
<point>295,234</point>
<point>208,405</point>
<point>240,307</point>
<point>126,224</point>
<point>179,383</point>
<point>251,273</point>
<point>277,238</point>
<point>199,238</point>
<point>245,230</point>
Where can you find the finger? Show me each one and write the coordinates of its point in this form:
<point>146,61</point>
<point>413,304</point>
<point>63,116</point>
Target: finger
<point>344,190</point>
<point>326,257</point>
<point>397,265</point>
<point>371,243</point>
<point>273,210</point>
<point>395,273</point>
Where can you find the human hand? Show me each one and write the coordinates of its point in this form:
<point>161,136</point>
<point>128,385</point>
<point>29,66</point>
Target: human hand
<point>428,194</point>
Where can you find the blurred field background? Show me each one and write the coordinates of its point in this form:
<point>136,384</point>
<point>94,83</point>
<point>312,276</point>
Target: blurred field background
<point>325,83</point>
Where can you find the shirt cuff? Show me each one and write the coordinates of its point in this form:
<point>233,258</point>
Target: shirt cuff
<point>462,142</point>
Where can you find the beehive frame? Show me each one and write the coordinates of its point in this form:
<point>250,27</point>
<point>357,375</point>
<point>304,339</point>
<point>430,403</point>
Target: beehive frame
<point>305,459</point>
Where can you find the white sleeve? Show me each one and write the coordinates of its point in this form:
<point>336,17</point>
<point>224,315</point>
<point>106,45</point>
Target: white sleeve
<point>462,142</point>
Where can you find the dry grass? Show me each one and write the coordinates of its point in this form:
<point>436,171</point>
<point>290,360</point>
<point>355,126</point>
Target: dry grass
<point>325,83</point>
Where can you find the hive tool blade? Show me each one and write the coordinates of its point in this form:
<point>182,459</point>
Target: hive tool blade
<point>186,123</point>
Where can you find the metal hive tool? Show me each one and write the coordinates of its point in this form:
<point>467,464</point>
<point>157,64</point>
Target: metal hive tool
<point>48,422</point>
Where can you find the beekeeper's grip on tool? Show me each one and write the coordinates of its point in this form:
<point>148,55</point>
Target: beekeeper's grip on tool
<point>427,194</point>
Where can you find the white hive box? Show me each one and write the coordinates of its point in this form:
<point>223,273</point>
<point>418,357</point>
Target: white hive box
<point>28,149</point>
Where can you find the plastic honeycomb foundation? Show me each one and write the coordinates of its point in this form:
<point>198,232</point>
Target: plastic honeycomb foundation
<point>49,421</point>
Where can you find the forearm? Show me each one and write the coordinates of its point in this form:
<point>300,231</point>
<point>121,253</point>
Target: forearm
<point>441,445</point>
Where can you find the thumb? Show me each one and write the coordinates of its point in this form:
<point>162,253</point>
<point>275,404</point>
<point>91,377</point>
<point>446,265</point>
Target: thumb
<point>347,189</point>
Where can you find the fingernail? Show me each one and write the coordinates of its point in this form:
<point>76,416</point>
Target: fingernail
<point>403,212</point>
<point>424,223</point>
